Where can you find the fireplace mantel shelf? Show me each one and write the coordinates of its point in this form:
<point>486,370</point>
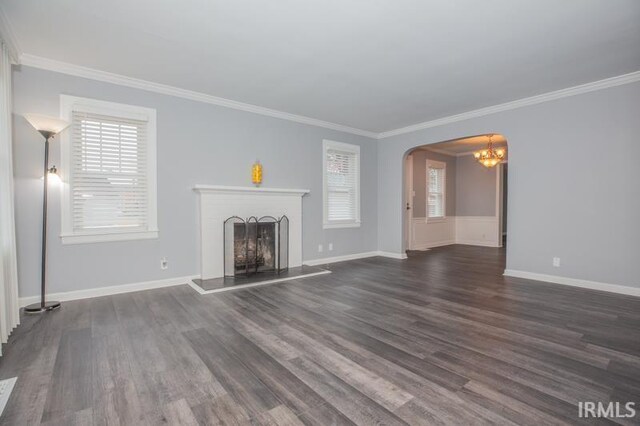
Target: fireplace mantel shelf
<point>250,189</point>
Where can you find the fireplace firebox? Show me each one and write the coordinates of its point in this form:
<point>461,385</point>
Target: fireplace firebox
<point>255,245</point>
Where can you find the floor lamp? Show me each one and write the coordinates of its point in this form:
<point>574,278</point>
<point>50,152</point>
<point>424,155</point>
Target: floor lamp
<point>48,127</point>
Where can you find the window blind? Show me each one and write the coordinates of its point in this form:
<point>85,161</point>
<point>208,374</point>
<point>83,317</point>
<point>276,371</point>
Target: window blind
<point>108,174</point>
<point>342,185</point>
<point>436,192</point>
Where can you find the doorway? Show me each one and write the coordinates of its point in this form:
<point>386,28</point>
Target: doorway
<point>502,192</point>
<point>451,197</point>
<point>408,201</point>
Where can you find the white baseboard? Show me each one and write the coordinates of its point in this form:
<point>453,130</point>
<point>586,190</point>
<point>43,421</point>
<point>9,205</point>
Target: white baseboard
<point>148,285</point>
<point>477,243</point>
<point>107,291</point>
<point>592,285</point>
<point>430,245</point>
<point>327,260</point>
<point>392,255</point>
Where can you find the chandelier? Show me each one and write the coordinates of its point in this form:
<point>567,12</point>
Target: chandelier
<point>490,157</point>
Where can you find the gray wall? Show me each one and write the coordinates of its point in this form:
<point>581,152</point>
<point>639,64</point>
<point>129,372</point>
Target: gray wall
<point>471,188</point>
<point>572,202</point>
<point>475,188</point>
<point>420,182</point>
<point>197,143</point>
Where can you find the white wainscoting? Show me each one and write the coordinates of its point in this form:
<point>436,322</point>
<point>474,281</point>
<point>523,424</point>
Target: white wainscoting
<point>472,230</point>
<point>433,234</point>
<point>478,230</point>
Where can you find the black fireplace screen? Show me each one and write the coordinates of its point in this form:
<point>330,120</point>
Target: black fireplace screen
<point>255,245</point>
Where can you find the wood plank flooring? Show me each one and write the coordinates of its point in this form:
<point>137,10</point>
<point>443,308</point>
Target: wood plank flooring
<point>440,338</point>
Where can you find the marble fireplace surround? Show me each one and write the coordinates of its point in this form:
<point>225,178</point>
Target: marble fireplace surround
<point>217,203</point>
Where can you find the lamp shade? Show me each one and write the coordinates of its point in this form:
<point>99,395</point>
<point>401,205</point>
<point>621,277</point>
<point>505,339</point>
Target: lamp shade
<point>44,123</point>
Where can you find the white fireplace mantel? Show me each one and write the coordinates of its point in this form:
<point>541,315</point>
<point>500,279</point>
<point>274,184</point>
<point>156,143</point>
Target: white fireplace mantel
<point>250,189</point>
<point>218,202</point>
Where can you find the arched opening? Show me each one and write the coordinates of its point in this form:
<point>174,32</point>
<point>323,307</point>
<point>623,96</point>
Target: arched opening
<point>455,192</point>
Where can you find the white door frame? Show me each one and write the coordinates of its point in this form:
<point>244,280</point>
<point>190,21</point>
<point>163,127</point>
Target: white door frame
<point>408,202</point>
<point>499,199</point>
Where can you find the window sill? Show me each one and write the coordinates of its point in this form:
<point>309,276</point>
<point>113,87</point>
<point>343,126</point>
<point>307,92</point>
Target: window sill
<point>341,225</point>
<point>107,237</point>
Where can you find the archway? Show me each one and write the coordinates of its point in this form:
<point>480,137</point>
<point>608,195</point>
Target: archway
<point>450,197</point>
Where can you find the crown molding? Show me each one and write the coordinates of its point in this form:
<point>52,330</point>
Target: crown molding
<point>533,100</point>
<point>9,37</point>
<point>121,80</point>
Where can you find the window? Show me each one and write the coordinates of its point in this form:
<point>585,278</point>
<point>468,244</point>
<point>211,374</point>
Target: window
<point>436,184</point>
<point>109,171</point>
<point>341,175</point>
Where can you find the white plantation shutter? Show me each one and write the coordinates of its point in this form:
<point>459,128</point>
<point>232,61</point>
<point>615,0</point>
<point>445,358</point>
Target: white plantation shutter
<point>436,189</point>
<point>109,173</point>
<point>108,159</point>
<point>342,176</point>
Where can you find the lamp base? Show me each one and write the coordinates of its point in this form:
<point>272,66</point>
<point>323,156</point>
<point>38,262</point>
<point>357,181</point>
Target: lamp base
<point>37,308</point>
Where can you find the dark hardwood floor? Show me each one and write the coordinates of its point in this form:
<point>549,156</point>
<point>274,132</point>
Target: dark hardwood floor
<point>441,338</point>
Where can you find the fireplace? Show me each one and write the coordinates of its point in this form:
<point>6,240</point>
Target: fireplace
<point>255,245</point>
<point>218,203</point>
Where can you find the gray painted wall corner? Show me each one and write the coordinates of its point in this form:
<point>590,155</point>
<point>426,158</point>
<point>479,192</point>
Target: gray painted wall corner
<point>585,213</point>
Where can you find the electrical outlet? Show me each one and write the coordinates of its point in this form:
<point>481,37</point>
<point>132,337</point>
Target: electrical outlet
<point>330,246</point>
<point>556,262</point>
<point>320,248</point>
<point>164,263</point>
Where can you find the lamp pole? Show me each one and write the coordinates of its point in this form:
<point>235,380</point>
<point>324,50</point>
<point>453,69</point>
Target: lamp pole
<point>43,305</point>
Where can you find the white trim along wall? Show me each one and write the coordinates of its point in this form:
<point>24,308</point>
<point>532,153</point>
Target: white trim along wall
<point>170,282</point>
<point>121,80</point>
<point>556,279</point>
<point>471,230</point>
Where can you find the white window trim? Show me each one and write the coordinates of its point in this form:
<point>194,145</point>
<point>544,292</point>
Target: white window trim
<point>331,224</point>
<point>437,165</point>
<point>67,105</point>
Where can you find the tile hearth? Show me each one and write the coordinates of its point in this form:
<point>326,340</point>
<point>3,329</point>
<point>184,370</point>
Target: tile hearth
<point>215,285</point>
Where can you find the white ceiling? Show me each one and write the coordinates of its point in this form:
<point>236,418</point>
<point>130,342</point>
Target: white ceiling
<point>375,65</point>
